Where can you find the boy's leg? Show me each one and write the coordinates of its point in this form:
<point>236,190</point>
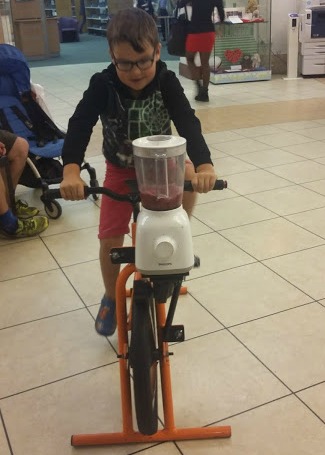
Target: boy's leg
<point>114,220</point>
<point>109,271</point>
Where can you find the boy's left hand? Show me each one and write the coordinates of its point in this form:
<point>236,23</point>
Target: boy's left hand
<point>203,180</point>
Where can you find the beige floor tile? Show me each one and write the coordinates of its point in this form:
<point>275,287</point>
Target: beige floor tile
<point>198,228</point>
<point>86,403</point>
<point>313,150</point>
<point>258,292</point>
<point>230,165</point>
<point>4,448</point>
<point>50,349</point>
<point>300,172</point>
<point>318,187</point>
<point>214,377</point>
<point>255,181</point>
<point>74,247</point>
<point>298,335</point>
<point>86,278</point>
<point>196,320</point>
<point>217,195</point>
<point>256,131</point>
<point>231,212</point>
<point>314,133</point>
<point>269,158</point>
<point>214,139</point>
<point>271,429</point>
<point>271,238</point>
<point>239,146</point>
<point>297,126</point>
<point>162,449</point>
<point>76,217</point>
<point>284,139</point>
<point>289,200</point>
<point>24,258</point>
<point>217,254</point>
<point>35,297</point>
<point>314,397</point>
<point>304,269</point>
<point>312,220</point>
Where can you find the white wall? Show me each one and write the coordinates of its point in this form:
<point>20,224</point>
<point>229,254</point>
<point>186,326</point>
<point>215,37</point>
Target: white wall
<point>279,24</point>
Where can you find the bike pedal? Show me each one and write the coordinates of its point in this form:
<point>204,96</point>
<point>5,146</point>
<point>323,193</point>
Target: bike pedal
<point>123,255</point>
<point>174,333</point>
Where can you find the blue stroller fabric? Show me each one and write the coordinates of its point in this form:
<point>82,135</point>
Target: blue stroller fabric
<point>22,115</point>
<point>19,112</point>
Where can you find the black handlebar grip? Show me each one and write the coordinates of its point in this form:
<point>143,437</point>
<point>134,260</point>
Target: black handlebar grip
<point>218,185</point>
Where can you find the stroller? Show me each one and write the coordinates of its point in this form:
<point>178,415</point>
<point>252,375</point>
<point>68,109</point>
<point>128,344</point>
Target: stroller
<point>21,114</point>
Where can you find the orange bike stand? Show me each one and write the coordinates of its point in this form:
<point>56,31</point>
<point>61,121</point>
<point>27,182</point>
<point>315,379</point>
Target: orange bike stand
<point>128,435</point>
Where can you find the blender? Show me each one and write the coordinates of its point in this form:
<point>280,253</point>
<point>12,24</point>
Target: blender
<point>163,234</point>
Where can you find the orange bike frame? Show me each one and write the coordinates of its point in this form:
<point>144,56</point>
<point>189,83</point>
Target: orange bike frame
<point>128,434</point>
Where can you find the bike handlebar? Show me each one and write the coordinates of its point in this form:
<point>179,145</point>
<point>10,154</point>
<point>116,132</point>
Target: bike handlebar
<point>132,197</point>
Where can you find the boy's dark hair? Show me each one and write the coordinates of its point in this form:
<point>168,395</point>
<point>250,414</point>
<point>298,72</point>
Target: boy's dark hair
<point>133,26</point>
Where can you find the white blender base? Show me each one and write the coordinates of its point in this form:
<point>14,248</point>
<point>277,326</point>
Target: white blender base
<point>163,242</point>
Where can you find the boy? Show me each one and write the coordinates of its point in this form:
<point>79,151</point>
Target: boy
<point>24,223</point>
<point>135,96</point>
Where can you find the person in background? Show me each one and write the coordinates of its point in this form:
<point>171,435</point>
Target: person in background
<point>23,222</point>
<point>135,96</point>
<point>200,39</point>
<point>147,6</point>
<point>83,17</point>
<point>163,12</point>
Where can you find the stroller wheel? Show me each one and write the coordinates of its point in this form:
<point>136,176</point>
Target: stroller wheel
<point>53,210</point>
<point>94,184</point>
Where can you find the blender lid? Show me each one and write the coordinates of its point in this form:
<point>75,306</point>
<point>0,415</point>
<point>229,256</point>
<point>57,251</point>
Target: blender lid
<point>161,145</point>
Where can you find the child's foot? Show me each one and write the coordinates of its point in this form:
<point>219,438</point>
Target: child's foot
<point>23,211</point>
<point>28,228</point>
<point>105,323</point>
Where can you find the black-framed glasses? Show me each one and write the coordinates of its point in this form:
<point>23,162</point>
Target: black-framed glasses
<point>127,65</point>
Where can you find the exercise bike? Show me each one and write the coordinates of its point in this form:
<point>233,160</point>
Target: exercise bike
<point>160,258</point>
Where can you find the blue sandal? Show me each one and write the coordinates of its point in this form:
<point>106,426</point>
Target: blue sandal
<point>105,323</point>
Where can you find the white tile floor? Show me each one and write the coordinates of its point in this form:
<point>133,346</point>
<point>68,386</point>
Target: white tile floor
<point>254,355</point>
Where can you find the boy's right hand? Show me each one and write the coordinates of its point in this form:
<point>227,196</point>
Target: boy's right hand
<point>72,185</point>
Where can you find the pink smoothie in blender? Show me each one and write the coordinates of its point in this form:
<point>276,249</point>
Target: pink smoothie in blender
<point>160,164</point>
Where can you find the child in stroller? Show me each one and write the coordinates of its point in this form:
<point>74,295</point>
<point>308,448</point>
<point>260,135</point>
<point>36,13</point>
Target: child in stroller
<point>22,115</point>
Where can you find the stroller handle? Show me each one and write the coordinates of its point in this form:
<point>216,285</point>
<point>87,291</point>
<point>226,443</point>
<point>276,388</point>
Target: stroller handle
<point>133,196</point>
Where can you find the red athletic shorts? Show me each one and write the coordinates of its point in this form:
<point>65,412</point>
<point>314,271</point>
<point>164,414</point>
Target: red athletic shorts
<point>114,215</point>
<point>200,42</point>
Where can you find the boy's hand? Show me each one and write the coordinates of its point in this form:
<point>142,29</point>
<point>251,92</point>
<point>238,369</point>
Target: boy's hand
<point>72,185</point>
<point>204,179</point>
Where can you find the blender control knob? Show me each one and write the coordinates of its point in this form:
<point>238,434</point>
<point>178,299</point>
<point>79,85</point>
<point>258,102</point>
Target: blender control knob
<point>164,247</point>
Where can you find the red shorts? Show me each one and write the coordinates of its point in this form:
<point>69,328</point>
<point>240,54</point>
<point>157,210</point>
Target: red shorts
<point>115,215</point>
<point>200,42</point>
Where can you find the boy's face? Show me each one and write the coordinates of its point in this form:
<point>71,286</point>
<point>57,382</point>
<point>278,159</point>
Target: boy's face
<point>135,78</point>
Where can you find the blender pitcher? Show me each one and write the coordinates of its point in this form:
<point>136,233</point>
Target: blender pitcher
<point>163,233</point>
<point>160,166</point>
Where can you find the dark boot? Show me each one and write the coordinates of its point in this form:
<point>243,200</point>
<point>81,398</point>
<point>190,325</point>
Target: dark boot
<point>202,95</point>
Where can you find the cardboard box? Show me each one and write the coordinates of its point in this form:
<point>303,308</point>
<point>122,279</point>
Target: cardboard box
<point>26,9</point>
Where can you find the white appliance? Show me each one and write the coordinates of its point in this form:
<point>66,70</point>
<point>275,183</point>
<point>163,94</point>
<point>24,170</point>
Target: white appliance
<point>293,46</point>
<point>312,37</point>
<point>163,234</point>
